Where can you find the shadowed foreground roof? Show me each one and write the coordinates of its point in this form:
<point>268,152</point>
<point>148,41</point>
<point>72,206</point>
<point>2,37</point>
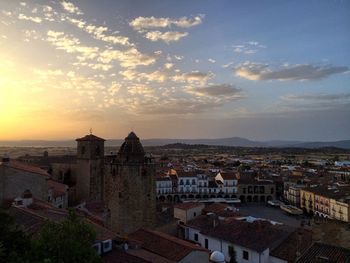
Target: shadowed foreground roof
<point>131,146</point>
<point>258,235</point>
<point>319,252</point>
<point>167,246</point>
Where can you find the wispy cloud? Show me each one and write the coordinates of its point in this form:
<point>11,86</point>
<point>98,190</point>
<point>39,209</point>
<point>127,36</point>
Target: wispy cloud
<point>128,59</point>
<point>141,23</point>
<point>71,8</point>
<point>146,26</point>
<point>99,32</point>
<point>169,36</point>
<point>34,19</point>
<point>249,47</point>
<point>219,91</point>
<point>317,97</point>
<point>71,44</point>
<point>259,71</point>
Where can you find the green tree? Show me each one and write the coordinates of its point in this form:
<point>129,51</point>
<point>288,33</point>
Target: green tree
<point>67,242</point>
<point>14,244</point>
<point>232,253</point>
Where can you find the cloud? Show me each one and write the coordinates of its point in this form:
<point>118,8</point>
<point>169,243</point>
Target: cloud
<point>71,8</point>
<point>221,91</point>
<point>140,23</point>
<point>71,45</point>
<point>99,32</point>
<point>211,60</point>
<point>167,37</point>
<point>259,71</point>
<point>128,59</point>
<point>317,97</point>
<point>34,19</point>
<point>194,77</point>
<point>249,47</point>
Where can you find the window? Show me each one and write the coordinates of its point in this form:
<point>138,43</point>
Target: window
<point>82,149</point>
<point>272,190</point>
<point>195,237</point>
<point>206,243</point>
<point>245,255</point>
<point>244,190</point>
<point>194,214</point>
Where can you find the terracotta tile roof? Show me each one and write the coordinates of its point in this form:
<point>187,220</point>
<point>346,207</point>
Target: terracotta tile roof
<point>24,167</point>
<point>229,175</point>
<point>90,137</point>
<point>257,236</point>
<point>221,210</point>
<point>121,256</point>
<point>188,205</point>
<point>149,256</point>
<point>328,253</point>
<point>165,245</point>
<point>181,173</point>
<point>32,218</point>
<point>298,240</point>
<point>58,188</point>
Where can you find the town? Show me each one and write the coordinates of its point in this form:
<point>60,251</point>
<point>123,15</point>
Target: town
<point>188,203</point>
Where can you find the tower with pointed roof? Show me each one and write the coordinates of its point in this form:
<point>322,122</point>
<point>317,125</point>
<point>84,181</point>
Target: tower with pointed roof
<point>90,168</point>
<point>132,194</point>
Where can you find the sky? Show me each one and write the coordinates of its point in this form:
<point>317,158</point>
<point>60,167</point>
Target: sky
<point>263,70</point>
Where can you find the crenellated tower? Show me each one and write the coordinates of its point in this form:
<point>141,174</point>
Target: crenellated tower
<point>132,193</point>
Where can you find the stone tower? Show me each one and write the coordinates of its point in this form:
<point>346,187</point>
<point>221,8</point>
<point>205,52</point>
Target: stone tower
<point>90,168</point>
<point>132,193</point>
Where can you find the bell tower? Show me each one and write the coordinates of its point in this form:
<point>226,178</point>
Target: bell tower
<point>90,168</point>
<point>132,193</point>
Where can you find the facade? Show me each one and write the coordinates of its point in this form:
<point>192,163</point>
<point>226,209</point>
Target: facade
<point>90,181</point>
<point>229,182</point>
<point>340,209</point>
<point>164,185</point>
<point>16,177</point>
<point>251,190</point>
<point>292,195</point>
<point>256,242</point>
<point>187,211</point>
<point>131,195</point>
<point>307,200</point>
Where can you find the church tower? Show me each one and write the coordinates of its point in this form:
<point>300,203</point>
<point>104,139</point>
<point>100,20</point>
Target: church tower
<point>132,194</point>
<point>90,168</point>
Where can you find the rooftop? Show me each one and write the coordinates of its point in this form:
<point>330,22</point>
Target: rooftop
<point>90,137</point>
<point>320,252</point>
<point>164,245</point>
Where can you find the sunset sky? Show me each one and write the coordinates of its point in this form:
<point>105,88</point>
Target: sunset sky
<point>175,69</point>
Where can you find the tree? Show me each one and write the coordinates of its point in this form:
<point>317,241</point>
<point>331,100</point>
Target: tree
<point>232,253</point>
<point>14,244</point>
<point>69,241</point>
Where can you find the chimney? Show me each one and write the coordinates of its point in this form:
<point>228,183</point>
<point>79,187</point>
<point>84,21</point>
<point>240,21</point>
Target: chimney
<point>27,198</point>
<point>214,218</point>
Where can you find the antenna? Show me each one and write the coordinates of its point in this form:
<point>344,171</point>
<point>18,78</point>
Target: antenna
<point>90,131</point>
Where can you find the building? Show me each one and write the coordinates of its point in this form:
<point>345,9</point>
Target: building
<point>292,194</point>
<point>257,241</point>
<point>252,190</point>
<point>131,195</point>
<point>90,183</point>
<point>187,211</point>
<point>167,248</point>
<point>319,252</point>
<point>307,200</point>
<point>229,182</point>
<point>17,177</point>
<point>31,214</point>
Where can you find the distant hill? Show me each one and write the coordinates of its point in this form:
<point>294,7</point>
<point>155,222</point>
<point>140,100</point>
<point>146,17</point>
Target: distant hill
<point>233,141</point>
